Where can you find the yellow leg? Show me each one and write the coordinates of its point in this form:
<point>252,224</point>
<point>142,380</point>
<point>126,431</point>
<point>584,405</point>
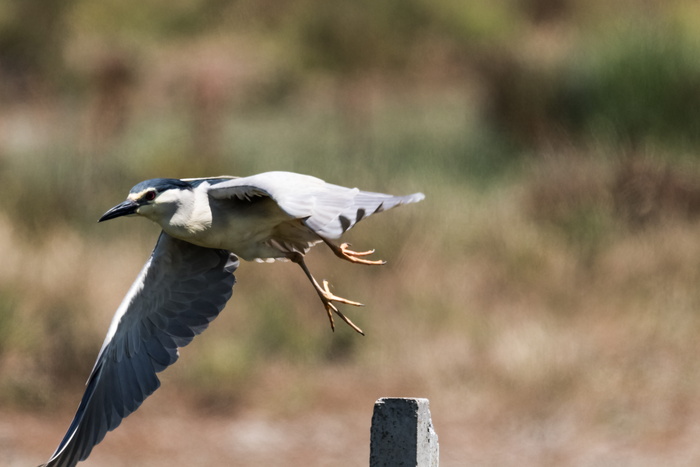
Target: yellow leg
<point>326,296</point>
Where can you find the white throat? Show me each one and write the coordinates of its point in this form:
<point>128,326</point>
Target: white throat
<point>181,213</point>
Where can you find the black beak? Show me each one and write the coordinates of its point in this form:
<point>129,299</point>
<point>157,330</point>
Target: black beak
<point>126,208</point>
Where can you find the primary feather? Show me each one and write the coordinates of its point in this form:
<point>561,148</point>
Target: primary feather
<point>179,291</point>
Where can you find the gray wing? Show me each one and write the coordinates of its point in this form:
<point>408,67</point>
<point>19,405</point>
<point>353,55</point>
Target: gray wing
<point>329,210</point>
<point>179,291</point>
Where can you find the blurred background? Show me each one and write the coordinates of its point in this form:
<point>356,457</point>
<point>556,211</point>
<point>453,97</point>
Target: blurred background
<point>543,297</point>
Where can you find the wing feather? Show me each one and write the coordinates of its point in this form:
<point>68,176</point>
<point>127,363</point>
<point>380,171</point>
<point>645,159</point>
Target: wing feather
<point>179,291</point>
<point>329,210</point>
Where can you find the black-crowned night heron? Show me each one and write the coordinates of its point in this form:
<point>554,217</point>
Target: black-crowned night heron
<point>207,223</point>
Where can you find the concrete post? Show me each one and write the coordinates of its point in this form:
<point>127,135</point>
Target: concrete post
<point>403,434</point>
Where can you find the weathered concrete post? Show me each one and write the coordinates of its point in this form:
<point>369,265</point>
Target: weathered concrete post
<point>403,434</point>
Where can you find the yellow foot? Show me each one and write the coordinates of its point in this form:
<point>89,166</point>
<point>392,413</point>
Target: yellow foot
<point>328,298</point>
<point>355,256</point>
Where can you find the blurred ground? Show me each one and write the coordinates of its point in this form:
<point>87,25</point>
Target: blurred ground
<point>543,297</point>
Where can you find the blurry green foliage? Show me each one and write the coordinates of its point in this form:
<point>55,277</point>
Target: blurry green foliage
<point>347,37</point>
<point>154,19</point>
<point>32,35</point>
<point>473,22</point>
<point>637,83</point>
<point>7,319</point>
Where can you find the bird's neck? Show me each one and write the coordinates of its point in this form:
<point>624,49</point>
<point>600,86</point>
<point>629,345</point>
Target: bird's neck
<point>189,217</point>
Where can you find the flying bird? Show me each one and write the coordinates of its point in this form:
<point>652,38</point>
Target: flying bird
<point>207,224</point>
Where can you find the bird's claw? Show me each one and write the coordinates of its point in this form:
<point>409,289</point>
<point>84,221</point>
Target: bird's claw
<point>328,298</point>
<point>355,256</point>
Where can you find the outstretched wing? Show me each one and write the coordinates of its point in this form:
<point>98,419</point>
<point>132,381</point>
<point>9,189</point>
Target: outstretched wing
<point>179,291</point>
<point>329,210</point>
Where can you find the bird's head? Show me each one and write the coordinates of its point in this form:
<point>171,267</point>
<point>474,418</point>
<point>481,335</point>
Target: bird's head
<point>155,199</point>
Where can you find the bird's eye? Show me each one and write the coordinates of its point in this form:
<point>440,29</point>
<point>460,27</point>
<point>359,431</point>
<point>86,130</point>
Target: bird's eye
<point>149,196</point>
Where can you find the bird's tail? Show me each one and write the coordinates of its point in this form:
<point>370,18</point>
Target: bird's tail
<point>378,202</point>
<point>360,206</point>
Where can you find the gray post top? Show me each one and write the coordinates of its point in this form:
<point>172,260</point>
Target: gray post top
<point>403,434</point>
